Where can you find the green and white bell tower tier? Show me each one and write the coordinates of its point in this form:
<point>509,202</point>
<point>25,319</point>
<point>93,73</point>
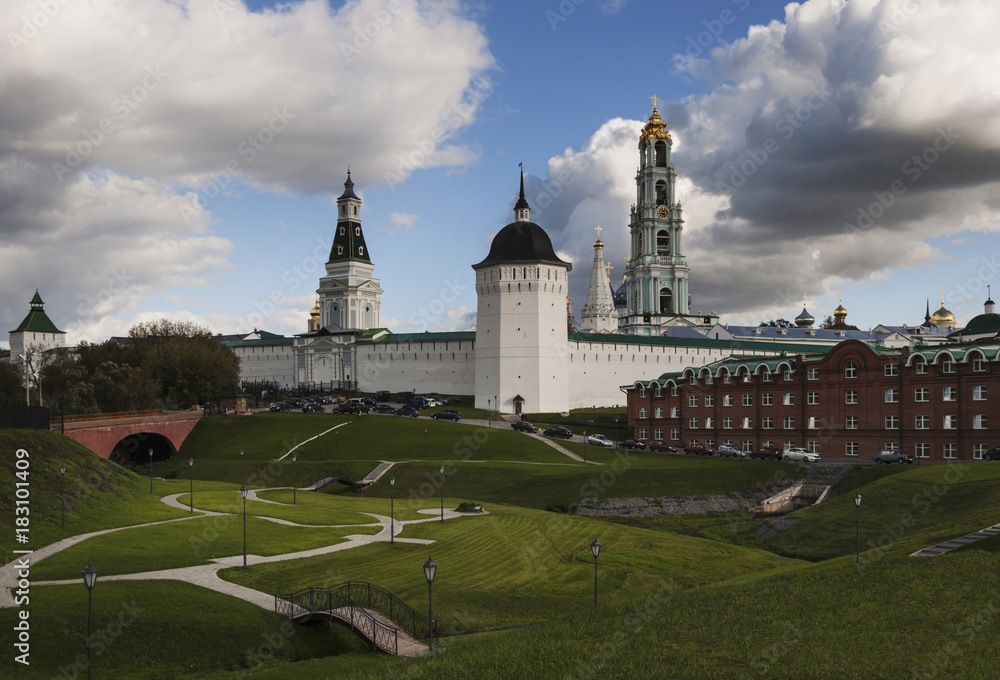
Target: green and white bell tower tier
<point>656,277</point>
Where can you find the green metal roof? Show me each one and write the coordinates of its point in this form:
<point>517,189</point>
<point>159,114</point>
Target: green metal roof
<point>759,345</point>
<point>978,325</point>
<point>450,336</point>
<point>37,321</point>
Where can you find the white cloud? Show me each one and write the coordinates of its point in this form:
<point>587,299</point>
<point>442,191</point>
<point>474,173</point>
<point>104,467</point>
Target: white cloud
<point>402,222</point>
<point>806,128</point>
<point>122,122</point>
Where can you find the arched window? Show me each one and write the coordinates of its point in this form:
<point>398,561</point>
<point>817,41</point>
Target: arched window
<point>340,250</point>
<point>662,242</point>
<point>638,243</point>
<point>661,155</point>
<point>355,211</point>
<point>666,301</point>
<point>642,192</point>
<point>361,251</point>
<point>850,370</point>
<point>661,193</point>
<point>341,230</point>
<point>642,154</point>
<point>357,231</point>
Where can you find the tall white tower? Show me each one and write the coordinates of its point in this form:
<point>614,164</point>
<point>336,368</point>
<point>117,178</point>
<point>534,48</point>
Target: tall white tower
<point>599,315</point>
<point>522,356</point>
<point>349,295</point>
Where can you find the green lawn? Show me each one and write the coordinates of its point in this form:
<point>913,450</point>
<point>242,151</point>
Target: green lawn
<point>516,566</point>
<point>310,508</point>
<point>186,543</point>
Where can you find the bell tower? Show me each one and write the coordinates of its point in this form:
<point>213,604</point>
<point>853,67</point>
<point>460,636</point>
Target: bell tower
<point>656,277</point>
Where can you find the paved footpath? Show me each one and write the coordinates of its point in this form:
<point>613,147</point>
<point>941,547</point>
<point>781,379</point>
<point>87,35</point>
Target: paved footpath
<point>948,546</point>
<point>207,575</point>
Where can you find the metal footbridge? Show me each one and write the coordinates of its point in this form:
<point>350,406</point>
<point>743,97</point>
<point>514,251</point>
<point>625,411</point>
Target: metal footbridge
<point>388,623</point>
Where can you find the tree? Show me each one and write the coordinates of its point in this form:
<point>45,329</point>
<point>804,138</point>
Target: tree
<point>831,323</point>
<point>190,364</point>
<point>777,323</point>
<point>11,387</point>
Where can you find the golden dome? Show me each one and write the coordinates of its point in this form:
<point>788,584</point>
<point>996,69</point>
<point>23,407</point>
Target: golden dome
<point>943,318</point>
<point>655,128</point>
<point>840,311</point>
<point>315,310</point>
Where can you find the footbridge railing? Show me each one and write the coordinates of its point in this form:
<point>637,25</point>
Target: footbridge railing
<point>353,603</point>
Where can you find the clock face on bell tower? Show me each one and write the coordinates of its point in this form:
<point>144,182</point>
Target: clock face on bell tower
<point>662,212</point>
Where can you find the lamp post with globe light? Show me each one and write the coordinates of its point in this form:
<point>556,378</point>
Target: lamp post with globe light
<point>392,510</point>
<point>62,495</point>
<point>89,579</point>
<point>595,548</point>
<point>243,492</point>
<point>430,568</point>
<point>857,504</point>
<point>191,480</point>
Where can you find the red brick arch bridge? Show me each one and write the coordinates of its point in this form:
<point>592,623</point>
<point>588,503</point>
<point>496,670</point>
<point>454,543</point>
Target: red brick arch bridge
<point>124,437</point>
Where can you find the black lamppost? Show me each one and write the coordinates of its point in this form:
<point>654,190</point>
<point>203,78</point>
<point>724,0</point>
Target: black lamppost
<point>441,470</point>
<point>616,432</point>
<point>425,443</point>
<point>496,406</point>
<point>584,446</point>
<point>392,510</point>
<point>336,444</point>
<point>191,479</point>
<point>241,468</point>
<point>62,495</point>
<point>430,567</point>
<point>857,504</point>
<point>489,412</point>
<point>295,485</point>
<point>151,471</point>
<point>89,579</point>
<point>243,492</point>
<point>595,548</point>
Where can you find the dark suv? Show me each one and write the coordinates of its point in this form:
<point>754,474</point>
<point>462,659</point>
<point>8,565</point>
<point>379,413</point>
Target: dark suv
<point>700,450</point>
<point>523,426</point>
<point>636,444</point>
<point>992,454</point>
<point>767,453</point>
<point>449,414</point>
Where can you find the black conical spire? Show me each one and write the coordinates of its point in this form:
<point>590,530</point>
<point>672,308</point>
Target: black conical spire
<point>349,186</point>
<point>521,202</point>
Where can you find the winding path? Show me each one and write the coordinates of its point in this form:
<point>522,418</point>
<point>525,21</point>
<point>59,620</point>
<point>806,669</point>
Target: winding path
<point>207,575</point>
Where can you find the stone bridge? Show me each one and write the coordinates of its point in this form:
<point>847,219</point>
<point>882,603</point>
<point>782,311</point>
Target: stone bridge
<point>124,437</point>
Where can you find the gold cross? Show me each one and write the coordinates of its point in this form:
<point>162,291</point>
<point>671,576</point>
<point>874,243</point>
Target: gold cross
<point>841,297</point>
<point>598,228</point>
<point>627,259</point>
<point>804,296</point>
<point>942,298</point>
<point>608,266</point>
<point>655,100</point>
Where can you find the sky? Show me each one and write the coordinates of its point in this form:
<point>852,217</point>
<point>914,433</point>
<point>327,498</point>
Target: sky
<point>182,158</point>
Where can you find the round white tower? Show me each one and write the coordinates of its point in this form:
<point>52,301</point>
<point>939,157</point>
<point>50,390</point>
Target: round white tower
<point>521,343</point>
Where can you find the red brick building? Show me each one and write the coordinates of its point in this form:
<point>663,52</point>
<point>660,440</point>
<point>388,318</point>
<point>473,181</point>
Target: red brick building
<point>854,401</point>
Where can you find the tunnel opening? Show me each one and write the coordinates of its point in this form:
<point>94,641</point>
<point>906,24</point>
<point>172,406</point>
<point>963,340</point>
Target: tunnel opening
<point>134,449</point>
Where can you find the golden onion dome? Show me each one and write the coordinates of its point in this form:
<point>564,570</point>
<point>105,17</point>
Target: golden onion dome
<point>840,311</point>
<point>943,318</point>
<point>315,310</point>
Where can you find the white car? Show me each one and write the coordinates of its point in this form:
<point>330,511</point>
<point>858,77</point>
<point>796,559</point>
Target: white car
<point>800,455</point>
<point>599,440</point>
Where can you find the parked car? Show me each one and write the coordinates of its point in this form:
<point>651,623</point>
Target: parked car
<point>338,398</point>
<point>731,451</point>
<point>311,407</point>
<point>385,408</point>
<point>767,453</point>
<point>356,408</point>
<point>403,397</point>
<point>282,406</point>
<point>636,444</point>
<point>600,440</point>
<point>559,432</point>
<point>407,411</point>
<point>699,450</point>
<point>888,456</point>
<point>382,395</point>
<point>523,426</point>
<point>295,401</point>
<point>449,414</point>
<point>800,455</point>
<point>660,445</point>
<point>992,454</point>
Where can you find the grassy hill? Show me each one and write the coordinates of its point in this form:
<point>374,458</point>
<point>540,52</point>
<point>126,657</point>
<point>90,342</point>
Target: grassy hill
<point>514,590</point>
